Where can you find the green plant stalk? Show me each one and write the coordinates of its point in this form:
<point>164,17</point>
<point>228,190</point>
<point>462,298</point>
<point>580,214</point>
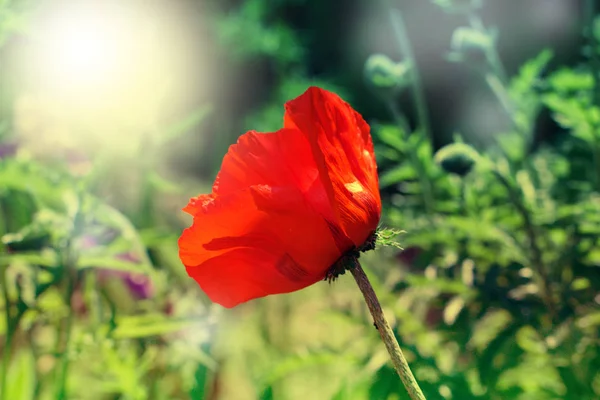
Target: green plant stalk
<point>499,89</point>
<point>596,151</point>
<point>491,53</point>
<point>423,178</point>
<point>536,253</point>
<point>6,351</point>
<point>463,196</point>
<point>9,320</point>
<point>31,334</point>
<point>496,76</point>
<point>418,93</point>
<point>387,335</point>
<point>464,211</point>
<point>62,342</point>
<point>590,12</point>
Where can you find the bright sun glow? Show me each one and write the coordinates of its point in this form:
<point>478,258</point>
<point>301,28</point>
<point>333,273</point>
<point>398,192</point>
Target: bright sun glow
<point>86,49</point>
<point>84,46</point>
<point>106,66</point>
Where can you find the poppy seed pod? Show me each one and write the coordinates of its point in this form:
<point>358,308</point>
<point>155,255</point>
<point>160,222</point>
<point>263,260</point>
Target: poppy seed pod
<point>386,76</point>
<point>457,158</point>
<point>286,205</point>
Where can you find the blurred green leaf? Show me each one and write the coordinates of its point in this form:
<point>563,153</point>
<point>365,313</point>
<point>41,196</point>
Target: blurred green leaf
<point>452,309</point>
<point>530,341</point>
<point>185,125</point>
<point>588,321</point>
<point>112,263</point>
<point>21,379</point>
<point>575,114</point>
<point>129,327</point>
<point>529,76</point>
<point>488,328</point>
<point>295,363</point>
<point>392,136</point>
<point>402,172</point>
<point>46,258</point>
<point>570,80</point>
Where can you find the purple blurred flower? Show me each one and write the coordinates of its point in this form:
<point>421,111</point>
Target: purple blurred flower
<point>8,149</point>
<point>139,285</point>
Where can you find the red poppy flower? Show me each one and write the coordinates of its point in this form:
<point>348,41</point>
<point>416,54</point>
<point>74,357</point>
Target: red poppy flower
<point>286,205</point>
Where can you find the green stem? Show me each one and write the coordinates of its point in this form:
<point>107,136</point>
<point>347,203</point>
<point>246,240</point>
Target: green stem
<point>5,364</point>
<point>463,209</point>
<point>6,350</point>
<point>495,74</point>
<point>499,89</point>
<point>414,159</point>
<point>399,117</point>
<point>596,151</point>
<point>536,252</point>
<point>387,335</point>
<point>418,93</point>
<point>62,342</point>
<point>9,320</point>
<point>590,12</point>
<point>63,350</point>
<point>491,53</point>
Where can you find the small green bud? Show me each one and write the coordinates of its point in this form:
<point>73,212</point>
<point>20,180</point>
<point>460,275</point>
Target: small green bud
<point>470,45</point>
<point>385,75</point>
<point>457,158</point>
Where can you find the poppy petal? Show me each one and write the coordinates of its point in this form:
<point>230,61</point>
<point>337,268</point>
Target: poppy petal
<point>277,159</point>
<point>343,151</point>
<point>255,242</point>
<point>196,204</point>
<point>244,274</point>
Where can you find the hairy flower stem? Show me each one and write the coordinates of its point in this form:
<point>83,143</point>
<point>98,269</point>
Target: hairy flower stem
<point>387,335</point>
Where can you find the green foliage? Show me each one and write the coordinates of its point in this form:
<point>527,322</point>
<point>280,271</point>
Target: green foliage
<point>255,29</point>
<point>13,18</point>
<point>507,233</point>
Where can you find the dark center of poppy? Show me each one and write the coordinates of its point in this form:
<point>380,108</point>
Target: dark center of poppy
<point>350,259</point>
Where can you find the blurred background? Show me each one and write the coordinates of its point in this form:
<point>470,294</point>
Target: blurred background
<point>486,120</point>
